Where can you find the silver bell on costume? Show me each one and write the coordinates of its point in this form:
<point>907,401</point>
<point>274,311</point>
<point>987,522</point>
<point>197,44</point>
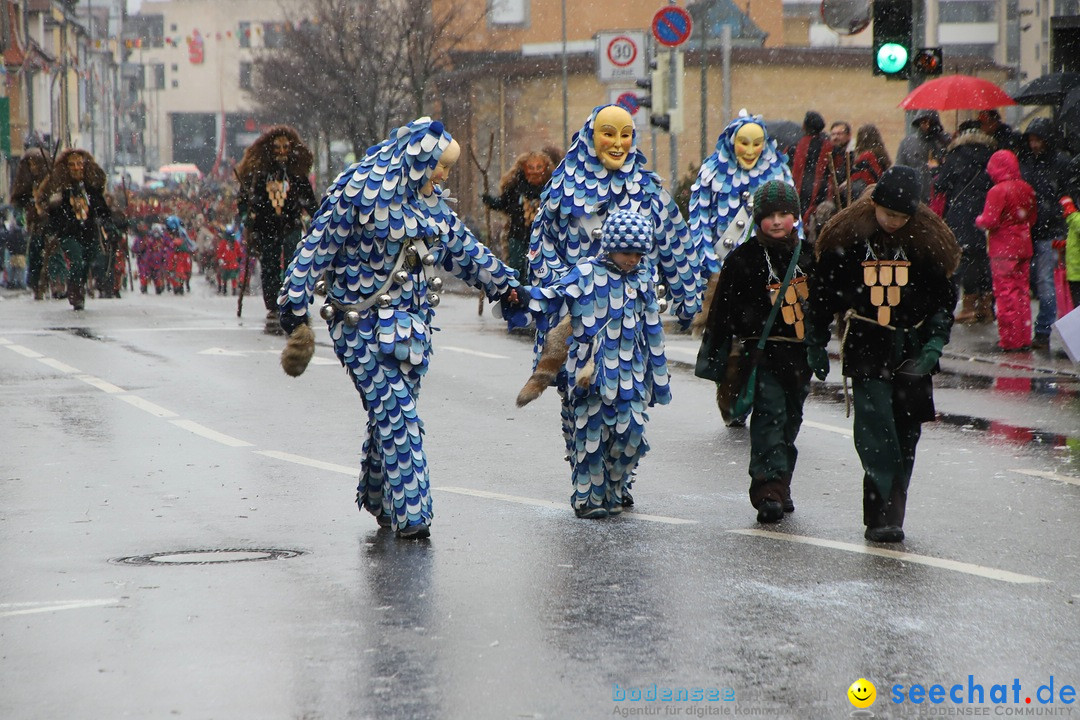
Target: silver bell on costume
<point>320,288</point>
<point>435,284</point>
<point>352,318</point>
<point>434,299</point>
<point>384,300</point>
<point>401,277</point>
<point>326,312</point>
<point>428,260</point>
<point>662,303</point>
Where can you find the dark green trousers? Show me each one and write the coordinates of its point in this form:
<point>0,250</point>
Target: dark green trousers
<point>885,439</point>
<point>774,425</point>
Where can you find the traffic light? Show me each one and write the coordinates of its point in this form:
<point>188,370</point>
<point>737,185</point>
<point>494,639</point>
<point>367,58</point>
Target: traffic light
<point>657,85</point>
<point>892,38</point>
<point>928,61</point>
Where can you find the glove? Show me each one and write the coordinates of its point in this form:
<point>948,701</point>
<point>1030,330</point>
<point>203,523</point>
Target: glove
<point>515,307</point>
<point>818,360</point>
<point>927,359</point>
<point>290,321</point>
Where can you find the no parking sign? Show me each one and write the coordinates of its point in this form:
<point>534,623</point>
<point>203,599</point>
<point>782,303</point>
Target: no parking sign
<point>621,56</point>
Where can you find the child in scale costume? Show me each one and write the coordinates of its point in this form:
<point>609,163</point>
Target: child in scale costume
<point>615,367</point>
<point>603,171</point>
<point>382,226</point>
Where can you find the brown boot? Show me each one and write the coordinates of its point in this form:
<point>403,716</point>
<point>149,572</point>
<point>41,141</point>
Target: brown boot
<point>984,308</point>
<point>966,315</point>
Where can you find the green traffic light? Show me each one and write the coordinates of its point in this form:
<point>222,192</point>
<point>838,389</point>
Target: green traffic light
<point>891,58</point>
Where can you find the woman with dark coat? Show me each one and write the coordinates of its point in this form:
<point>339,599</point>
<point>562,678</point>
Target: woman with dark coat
<point>964,183</point>
<point>519,198</point>
<point>871,160</point>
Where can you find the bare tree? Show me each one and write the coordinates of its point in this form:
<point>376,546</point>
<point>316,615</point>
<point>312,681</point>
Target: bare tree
<point>353,69</point>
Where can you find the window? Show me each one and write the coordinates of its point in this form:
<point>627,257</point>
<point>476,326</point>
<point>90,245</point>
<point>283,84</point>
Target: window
<point>508,12</point>
<point>958,11</point>
<point>159,77</point>
<point>172,27</point>
<point>243,34</point>
<point>245,76</point>
<point>175,67</point>
<point>176,83</point>
<point>273,35</point>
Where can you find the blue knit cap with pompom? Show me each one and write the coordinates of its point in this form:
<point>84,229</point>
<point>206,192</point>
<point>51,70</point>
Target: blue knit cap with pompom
<point>627,231</point>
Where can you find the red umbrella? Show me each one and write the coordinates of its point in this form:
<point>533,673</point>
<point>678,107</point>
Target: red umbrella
<point>956,92</point>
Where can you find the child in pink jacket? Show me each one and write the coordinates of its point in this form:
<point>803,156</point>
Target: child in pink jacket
<point>1009,213</point>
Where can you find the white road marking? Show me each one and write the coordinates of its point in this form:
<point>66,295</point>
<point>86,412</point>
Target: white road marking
<point>30,608</point>
<point>222,351</point>
<point>100,384</point>
<point>551,504</point>
<point>1048,475</point>
<point>4,341</point>
<point>829,428</point>
<point>954,565</point>
<point>203,431</point>
<point>147,406</point>
<point>57,365</point>
<point>309,462</point>
<point>24,351</point>
<point>466,351</point>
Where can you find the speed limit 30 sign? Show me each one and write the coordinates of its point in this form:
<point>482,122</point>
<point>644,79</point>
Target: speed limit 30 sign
<point>621,56</point>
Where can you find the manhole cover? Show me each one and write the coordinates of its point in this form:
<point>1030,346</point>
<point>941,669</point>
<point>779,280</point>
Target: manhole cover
<point>208,557</point>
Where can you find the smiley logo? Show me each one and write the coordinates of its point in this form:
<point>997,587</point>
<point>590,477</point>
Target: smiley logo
<point>862,693</point>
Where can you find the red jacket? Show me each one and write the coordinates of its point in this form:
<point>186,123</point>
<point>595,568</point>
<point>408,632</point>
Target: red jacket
<point>1010,209</point>
<point>228,254</point>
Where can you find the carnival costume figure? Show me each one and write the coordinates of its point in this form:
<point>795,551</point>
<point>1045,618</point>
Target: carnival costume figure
<point>519,197</point>
<point>885,264</point>
<point>73,200</point>
<point>275,194</point>
<point>745,157</point>
<point>603,171</point>
<point>749,287</point>
<point>615,368</point>
<point>32,170</point>
<point>380,231</point>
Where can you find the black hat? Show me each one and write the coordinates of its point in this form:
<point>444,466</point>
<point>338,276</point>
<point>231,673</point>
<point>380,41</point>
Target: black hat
<point>775,196</point>
<point>898,189</point>
<point>813,123</point>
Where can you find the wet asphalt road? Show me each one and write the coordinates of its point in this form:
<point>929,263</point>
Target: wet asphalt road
<point>164,424</point>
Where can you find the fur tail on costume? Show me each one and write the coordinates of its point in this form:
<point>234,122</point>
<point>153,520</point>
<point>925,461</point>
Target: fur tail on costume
<point>552,358</point>
<point>697,325</point>
<point>298,351</point>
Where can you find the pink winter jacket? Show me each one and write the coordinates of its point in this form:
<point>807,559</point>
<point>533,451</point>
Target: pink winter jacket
<point>1010,209</point>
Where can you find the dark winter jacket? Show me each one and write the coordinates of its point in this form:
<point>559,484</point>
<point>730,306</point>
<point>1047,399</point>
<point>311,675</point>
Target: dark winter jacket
<point>1046,173</point>
<point>1010,209</point>
<point>964,182</point>
<point>864,173</point>
<point>837,285</point>
<point>920,151</point>
<point>742,303</point>
<point>810,169</point>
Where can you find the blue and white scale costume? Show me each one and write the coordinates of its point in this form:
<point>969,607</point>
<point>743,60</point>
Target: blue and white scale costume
<point>582,192</point>
<point>718,193</point>
<point>374,236</point>
<point>617,337</point>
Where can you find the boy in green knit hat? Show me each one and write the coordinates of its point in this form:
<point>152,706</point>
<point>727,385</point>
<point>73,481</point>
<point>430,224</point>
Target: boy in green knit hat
<point>748,286</point>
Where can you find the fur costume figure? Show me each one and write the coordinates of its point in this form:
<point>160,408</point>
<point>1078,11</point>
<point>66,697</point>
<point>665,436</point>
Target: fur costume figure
<point>615,368</point>
<point>382,226</point>
<point>724,184</point>
<point>72,200</point>
<point>885,263</point>
<point>275,194</point>
<point>32,170</point>
<point>519,197</point>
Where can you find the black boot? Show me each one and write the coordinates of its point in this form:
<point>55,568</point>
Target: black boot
<point>883,519</point>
